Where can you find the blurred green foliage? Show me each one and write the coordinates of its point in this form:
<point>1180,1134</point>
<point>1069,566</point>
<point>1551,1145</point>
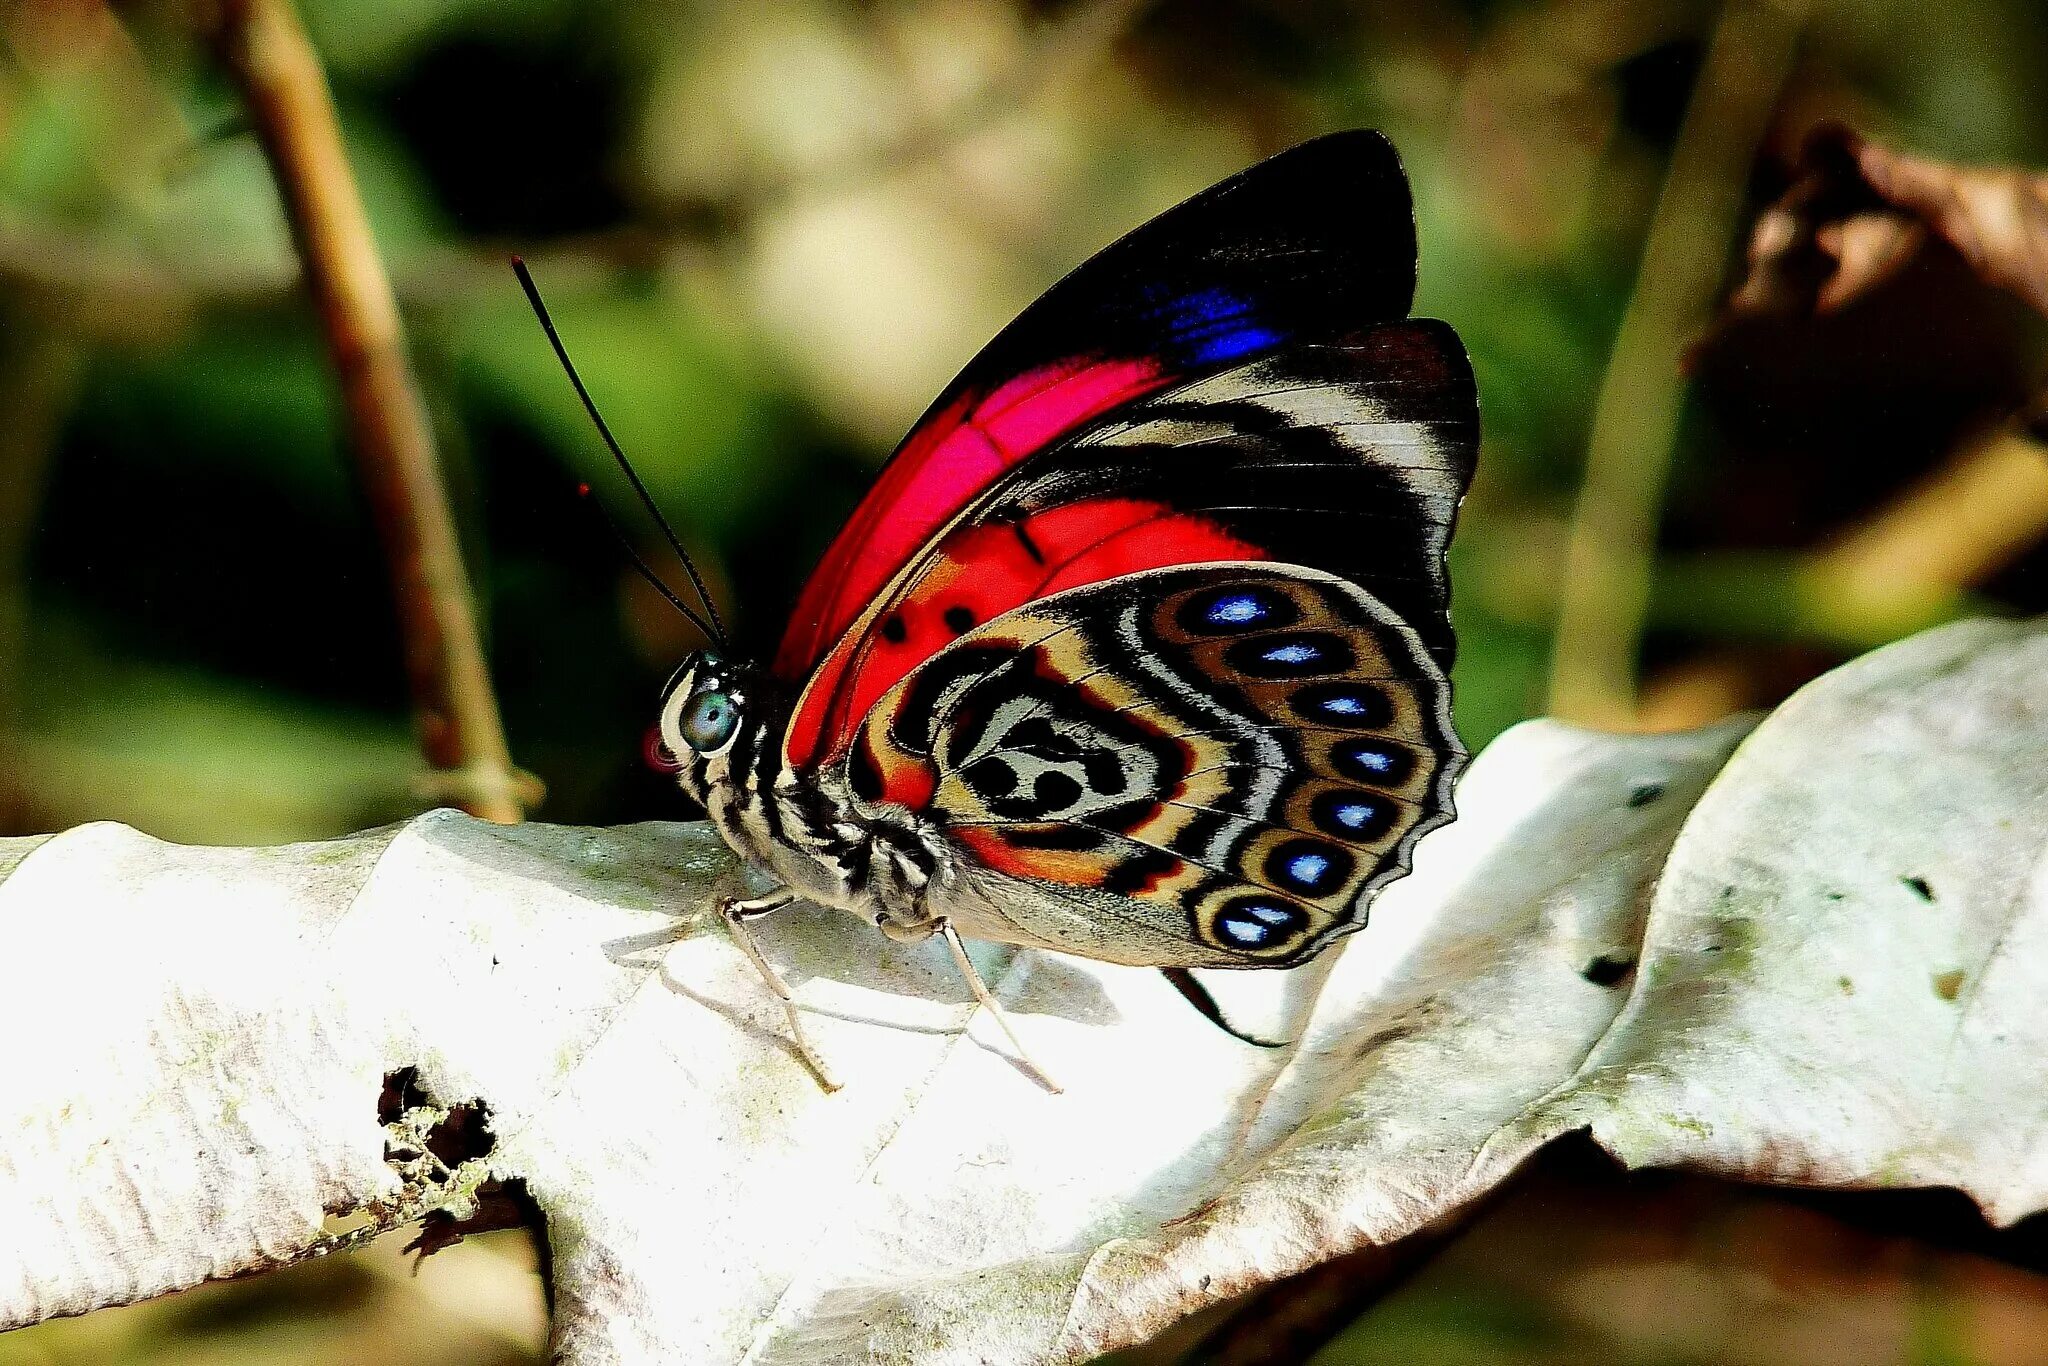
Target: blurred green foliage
<point>770,232</point>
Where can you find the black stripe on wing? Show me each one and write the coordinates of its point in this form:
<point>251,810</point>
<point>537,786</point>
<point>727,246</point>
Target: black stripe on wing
<point>1349,458</point>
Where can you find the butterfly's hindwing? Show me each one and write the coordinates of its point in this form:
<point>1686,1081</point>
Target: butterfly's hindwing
<point>1219,763</point>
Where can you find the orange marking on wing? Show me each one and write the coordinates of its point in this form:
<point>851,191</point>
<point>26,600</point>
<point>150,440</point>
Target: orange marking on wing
<point>1075,868</point>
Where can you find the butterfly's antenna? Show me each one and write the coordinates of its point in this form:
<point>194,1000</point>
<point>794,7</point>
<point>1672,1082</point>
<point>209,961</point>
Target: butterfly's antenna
<point>716,628</point>
<point>633,558</point>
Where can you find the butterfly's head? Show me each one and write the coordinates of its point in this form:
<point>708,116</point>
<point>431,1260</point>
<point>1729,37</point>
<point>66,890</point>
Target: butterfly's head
<point>705,716</point>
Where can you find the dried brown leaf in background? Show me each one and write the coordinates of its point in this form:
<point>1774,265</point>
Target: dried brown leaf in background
<point>1859,211</point>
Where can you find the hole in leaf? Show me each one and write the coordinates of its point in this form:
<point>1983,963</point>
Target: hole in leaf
<point>1608,969</point>
<point>402,1092</point>
<point>464,1135</point>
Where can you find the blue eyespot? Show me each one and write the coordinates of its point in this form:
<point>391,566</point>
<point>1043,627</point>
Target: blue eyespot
<point>1252,922</point>
<point>1372,761</point>
<point>1309,866</point>
<point>1298,654</point>
<point>1236,608</point>
<point>1352,816</point>
<point>1358,706</point>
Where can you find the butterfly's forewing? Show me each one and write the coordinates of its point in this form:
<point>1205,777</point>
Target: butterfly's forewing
<point>1204,766</point>
<point>1304,248</point>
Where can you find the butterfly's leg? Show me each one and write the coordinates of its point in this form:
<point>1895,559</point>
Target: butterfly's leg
<point>988,1002</point>
<point>737,914</point>
<point>754,907</point>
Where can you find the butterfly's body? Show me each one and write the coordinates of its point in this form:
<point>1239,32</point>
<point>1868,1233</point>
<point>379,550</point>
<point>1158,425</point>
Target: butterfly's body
<point>803,829</point>
<point>1139,647</point>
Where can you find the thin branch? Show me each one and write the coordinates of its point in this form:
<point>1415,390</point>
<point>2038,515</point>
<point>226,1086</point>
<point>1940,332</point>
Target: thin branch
<point>126,290</point>
<point>1964,523</point>
<point>110,287</point>
<point>267,51</point>
<point>1635,423</point>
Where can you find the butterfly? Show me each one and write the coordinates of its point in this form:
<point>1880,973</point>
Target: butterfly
<point>1139,647</point>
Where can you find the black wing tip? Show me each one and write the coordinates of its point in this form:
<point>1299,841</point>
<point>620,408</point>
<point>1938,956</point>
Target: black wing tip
<point>1347,144</point>
<point>1355,174</point>
<point>1364,167</point>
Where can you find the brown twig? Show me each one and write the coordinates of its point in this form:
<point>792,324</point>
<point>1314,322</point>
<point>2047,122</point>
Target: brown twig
<point>1635,422</point>
<point>1970,518</point>
<point>266,49</point>
<point>107,286</point>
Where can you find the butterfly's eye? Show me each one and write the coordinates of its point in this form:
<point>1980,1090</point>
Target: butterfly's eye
<point>709,720</point>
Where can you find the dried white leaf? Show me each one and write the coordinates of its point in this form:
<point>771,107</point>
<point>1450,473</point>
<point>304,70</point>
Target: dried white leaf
<point>1846,982</point>
<point>201,1037</point>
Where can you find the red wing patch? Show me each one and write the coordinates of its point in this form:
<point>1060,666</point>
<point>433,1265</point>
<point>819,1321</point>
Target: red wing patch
<point>953,455</point>
<point>980,571</point>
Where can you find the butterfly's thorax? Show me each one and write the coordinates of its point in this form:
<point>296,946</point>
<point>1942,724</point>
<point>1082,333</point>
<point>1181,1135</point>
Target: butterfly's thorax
<point>804,827</point>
